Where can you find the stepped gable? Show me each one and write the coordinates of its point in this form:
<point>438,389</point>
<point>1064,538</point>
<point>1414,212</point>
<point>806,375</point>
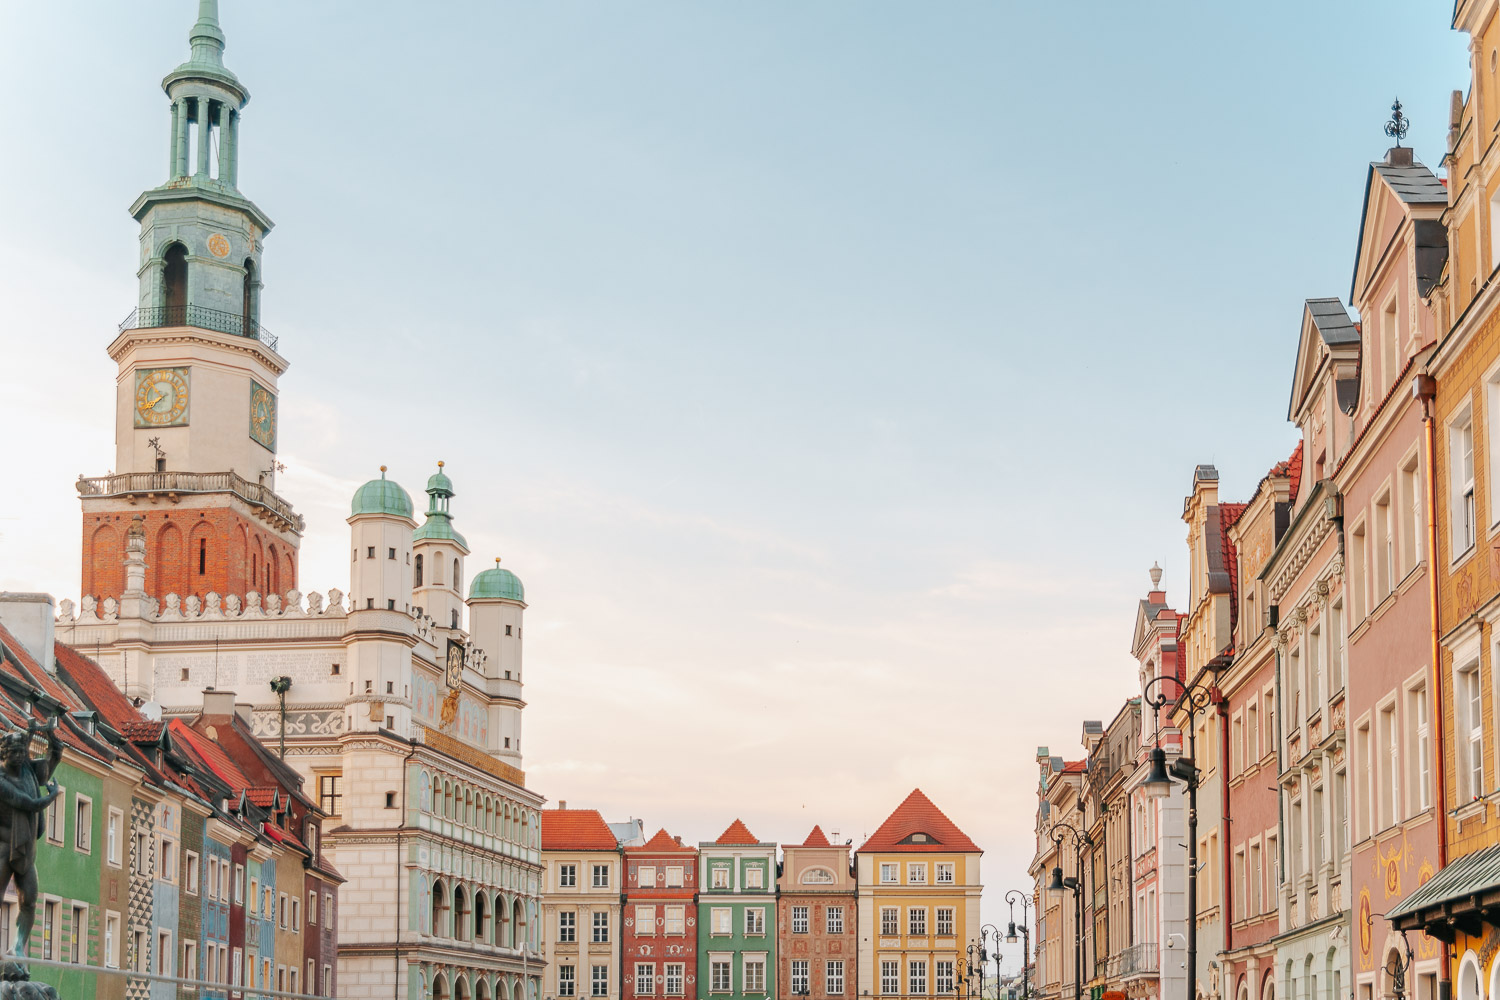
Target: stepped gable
<point>816,838</point>
<point>576,830</point>
<point>919,816</point>
<point>737,834</point>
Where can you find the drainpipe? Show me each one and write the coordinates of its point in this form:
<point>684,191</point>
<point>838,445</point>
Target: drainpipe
<point>1424,390</point>
<point>1273,619</point>
<point>1222,704</point>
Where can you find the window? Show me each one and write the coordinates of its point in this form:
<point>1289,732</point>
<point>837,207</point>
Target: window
<point>190,961</point>
<point>833,977</point>
<point>112,836</point>
<point>83,824</point>
<point>916,874</point>
<point>75,933</point>
<point>255,896</point>
<point>942,974</point>
<point>1461,451</point>
<point>1357,564</point>
<point>645,920</point>
<point>645,979</point>
<point>1470,732</point>
<point>141,862</point>
<point>601,876</point>
<point>1389,765</point>
<point>190,873</point>
<point>1409,495</point>
<point>1241,901</point>
<point>567,982</point>
<point>755,877</point>
<point>945,921</point>
<point>755,974</point>
<point>1419,718</point>
<point>239,884</point>
<point>567,876</point>
<point>112,940</point>
<point>889,872</point>
<point>49,929</point>
<point>916,977</point>
<point>370,552</point>
<point>890,977</point>
<point>890,921</point>
<point>599,981</point>
<point>1366,818</point>
<point>675,919</point>
<point>296,914</point>
<point>719,976</point>
<point>164,953</point>
<point>755,920</point>
<point>916,921</point>
<point>567,926</point>
<point>723,920</point>
<point>390,554</point>
<point>281,910</point>
<point>674,979</point>
<point>1385,547</point>
<point>646,876</point>
<point>1336,647</point>
<point>1314,670</point>
<point>674,876</point>
<point>1252,734</point>
<point>1254,877</point>
<point>55,816</point>
<point>800,977</point>
<point>945,872</point>
<point>721,877</point>
<point>835,920</point>
<point>312,908</point>
<point>601,927</point>
<point>331,793</point>
<point>799,920</point>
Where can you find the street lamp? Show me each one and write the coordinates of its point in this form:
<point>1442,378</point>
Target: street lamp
<point>1158,784</point>
<point>1063,831</point>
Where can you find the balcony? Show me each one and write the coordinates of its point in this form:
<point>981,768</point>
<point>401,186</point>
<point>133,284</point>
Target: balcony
<point>234,324</point>
<point>173,483</point>
<point>1142,959</point>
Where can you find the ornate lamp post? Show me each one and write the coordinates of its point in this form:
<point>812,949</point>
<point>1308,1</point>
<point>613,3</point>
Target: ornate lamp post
<point>1063,831</point>
<point>1010,938</point>
<point>1158,784</point>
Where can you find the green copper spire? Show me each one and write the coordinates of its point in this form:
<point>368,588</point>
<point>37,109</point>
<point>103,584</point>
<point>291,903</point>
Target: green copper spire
<point>207,38</point>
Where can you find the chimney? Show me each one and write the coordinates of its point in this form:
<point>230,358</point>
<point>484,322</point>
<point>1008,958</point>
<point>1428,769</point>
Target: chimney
<point>30,619</point>
<point>562,803</point>
<point>1399,156</point>
<point>218,702</point>
<point>244,710</point>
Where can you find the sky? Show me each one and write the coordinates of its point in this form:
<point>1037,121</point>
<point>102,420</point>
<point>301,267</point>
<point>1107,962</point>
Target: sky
<point>831,374</point>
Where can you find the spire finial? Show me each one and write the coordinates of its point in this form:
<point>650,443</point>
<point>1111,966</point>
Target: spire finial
<point>207,38</point>
<point>1399,123</point>
<point>497,562</point>
<point>1155,576</point>
<point>440,463</point>
<point>382,472</point>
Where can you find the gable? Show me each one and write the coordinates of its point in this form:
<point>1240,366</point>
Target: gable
<point>1328,334</point>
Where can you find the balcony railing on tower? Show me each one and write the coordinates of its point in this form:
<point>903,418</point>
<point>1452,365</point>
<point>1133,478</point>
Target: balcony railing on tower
<point>173,483</point>
<point>203,317</point>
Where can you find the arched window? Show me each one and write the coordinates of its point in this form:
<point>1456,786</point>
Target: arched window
<point>417,578</point>
<point>481,918</point>
<point>1468,977</point>
<point>482,990</point>
<point>505,926</point>
<point>439,909</point>
<point>440,987</point>
<point>437,568</point>
<point>460,913</point>
<point>175,285</point>
<point>518,918</point>
<point>426,792</point>
<point>247,311</point>
<point>457,578</point>
<point>447,800</point>
<point>461,989</point>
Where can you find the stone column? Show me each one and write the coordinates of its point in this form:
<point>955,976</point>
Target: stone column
<point>224,146</point>
<point>205,131</point>
<point>231,136</point>
<point>180,139</point>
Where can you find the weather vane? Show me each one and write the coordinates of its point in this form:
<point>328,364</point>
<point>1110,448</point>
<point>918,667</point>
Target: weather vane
<point>1399,123</point>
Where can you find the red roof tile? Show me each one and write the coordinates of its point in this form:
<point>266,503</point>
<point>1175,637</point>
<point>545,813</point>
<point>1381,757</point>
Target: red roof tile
<point>94,685</point>
<point>816,839</point>
<point>1229,513</point>
<point>1294,471</point>
<point>738,833</point>
<point>576,830</point>
<point>263,797</point>
<point>142,731</point>
<point>918,815</point>
<point>663,841</point>
<point>212,755</point>
<point>1075,767</point>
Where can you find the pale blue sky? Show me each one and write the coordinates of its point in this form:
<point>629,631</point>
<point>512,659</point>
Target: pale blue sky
<point>830,373</point>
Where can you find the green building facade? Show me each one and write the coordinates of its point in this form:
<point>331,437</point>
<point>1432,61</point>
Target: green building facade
<point>736,917</point>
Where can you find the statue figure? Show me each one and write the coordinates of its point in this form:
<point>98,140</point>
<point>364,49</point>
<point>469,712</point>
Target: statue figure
<point>22,801</point>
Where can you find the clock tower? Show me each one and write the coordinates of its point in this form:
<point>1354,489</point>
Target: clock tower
<point>196,390</point>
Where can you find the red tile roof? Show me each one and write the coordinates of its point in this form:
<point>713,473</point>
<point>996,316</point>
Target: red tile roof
<point>263,797</point>
<point>1075,767</point>
<point>663,841</point>
<point>212,755</point>
<point>1229,513</point>
<point>1292,469</point>
<point>142,731</point>
<point>918,815</point>
<point>816,838</point>
<point>576,830</point>
<point>738,833</point>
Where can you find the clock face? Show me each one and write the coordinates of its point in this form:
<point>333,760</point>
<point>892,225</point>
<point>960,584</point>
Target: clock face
<point>161,397</point>
<point>455,664</point>
<point>218,245</point>
<point>262,416</point>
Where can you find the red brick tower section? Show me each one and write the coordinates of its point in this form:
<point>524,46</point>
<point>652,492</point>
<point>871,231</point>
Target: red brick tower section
<point>815,921</point>
<point>201,544</point>
<point>660,939</point>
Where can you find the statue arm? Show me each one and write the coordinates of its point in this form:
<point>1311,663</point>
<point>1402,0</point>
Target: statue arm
<point>13,796</point>
<point>45,768</point>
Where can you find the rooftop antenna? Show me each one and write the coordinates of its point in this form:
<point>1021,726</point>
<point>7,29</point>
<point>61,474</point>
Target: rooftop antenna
<point>1399,123</point>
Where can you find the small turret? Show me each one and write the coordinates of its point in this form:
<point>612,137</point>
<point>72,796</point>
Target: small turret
<point>497,603</point>
<point>438,554</point>
<point>380,569</point>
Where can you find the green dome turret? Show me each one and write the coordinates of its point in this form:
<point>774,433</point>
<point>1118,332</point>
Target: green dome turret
<point>497,584</point>
<point>381,496</point>
<point>439,523</point>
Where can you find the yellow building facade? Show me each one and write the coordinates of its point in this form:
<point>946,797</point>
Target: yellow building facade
<point>918,899</point>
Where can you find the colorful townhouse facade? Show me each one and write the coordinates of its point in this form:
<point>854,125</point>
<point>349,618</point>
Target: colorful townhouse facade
<point>581,904</point>
<point>659,942</point>
<point>1111,760</point>
<point>816,928</point>
<point>918,885</point>
<point>737,916</point>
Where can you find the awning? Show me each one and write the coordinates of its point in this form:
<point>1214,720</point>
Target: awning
<point>1462,897</point>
